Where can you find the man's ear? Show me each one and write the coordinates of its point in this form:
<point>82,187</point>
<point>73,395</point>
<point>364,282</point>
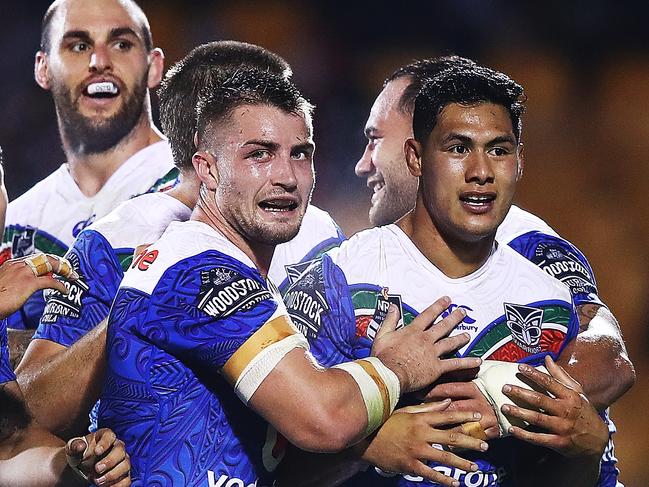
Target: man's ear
<point>413,151</point>
<point>206,170</point>
<point>156,67</point>
<point>41,70</point>
<point>520,157</point>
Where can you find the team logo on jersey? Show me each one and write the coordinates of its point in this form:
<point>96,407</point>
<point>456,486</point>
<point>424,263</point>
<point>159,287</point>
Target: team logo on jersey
<point>383,301</point>
<point>525,324</point>
<point>564,265</point>
<point>58,305</point>
<point>224,292</point>
<point>76,230</point>
<point>23,242</point>
<point>305,298</point>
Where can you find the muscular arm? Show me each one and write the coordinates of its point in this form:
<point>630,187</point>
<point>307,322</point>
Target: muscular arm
<point>597,358</point>
<point>47,387</point>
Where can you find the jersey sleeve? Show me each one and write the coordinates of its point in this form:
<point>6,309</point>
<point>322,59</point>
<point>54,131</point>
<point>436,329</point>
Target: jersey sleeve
<point>320,304</point>
<point>6,372</point>
<point>215,315</point>
<point>67,317</point>
<point>563,261</point>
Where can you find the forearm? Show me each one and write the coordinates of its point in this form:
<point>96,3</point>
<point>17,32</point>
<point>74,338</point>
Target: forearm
<point>46,386</point>
<point>35,458</point>
<point>598,359</point>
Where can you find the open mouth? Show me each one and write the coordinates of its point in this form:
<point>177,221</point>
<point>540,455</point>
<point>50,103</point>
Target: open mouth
<point>278,205</point>
<point>478,200</point>
<point>101,89</point>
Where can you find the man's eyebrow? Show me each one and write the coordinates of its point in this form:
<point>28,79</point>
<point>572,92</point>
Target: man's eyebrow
<point>369,130</point>
<point>122,32</point>
<point>502,139</point>
<point>306,146</point>
<point>264,143</point>
<point>459,137</point>
<point>77,34</point>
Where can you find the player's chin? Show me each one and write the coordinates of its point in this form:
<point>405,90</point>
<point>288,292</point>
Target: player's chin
<point>279,231</point>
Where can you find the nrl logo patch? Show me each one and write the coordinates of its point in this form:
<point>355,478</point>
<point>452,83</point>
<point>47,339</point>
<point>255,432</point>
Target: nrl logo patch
<point>383,301</point>
<point>525,324</point>
<point>224,292</point>
<point>305,298</point>
<point>58,305</point>
<point>23,243</point>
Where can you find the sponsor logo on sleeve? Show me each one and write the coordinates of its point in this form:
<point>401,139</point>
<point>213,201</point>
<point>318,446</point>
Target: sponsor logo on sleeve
<point>305,298</point>
<point>525,324</point>
<point>383,301</point>
<point>69,305</point>
<point>565,266</point>
<point>224,292</point>
<point>23,243</point>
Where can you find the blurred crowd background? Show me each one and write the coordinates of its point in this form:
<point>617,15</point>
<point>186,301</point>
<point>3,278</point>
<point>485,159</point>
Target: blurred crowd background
<point>585,67</point>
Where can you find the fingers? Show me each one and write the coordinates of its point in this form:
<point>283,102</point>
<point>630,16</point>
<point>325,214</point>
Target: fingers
<point>427,317</point>
<point>445,326</point>
<point>114,466</point>
<point>541,439</point>
<point>62,267</point>
<point>105,439</point>
<point>427,407</point>
<point>546,381</point>
<point>450,344</point>
<point>75,450</point>
<point>49,282</point>
<point>389,323</point>
<point>536,400</point>
<point>453,364</point>
<point>453,390</point>
<point>561,375</point>
<point>422,470</point>
<point>535,418</point>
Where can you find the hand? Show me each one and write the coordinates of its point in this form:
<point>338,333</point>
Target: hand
<point>403,443</point>
<point>570,423</point>
<point>466,396</point>
<point>18,281</point>
<point>414,353</point>
<point>101,457</point>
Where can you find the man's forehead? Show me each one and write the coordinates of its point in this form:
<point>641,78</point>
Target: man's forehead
<point>264,121</point>
<point>478,118</point>
<point>386,104</point>
<point>97,16</point>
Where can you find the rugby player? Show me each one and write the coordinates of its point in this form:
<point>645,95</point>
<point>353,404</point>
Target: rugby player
<point>98,61</point>
<point>467,155</point>
<point>198,329</point>
<point>103,251</point>
<point>29,455</point>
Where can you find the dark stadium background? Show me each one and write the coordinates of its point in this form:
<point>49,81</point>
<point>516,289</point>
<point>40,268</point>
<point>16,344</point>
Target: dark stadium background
<point>585,66</point>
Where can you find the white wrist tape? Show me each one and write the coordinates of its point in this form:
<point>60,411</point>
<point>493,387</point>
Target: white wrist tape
<point>379,387</point>
<point>492,377</point>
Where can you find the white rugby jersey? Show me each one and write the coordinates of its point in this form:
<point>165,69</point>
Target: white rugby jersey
<point>50,215</point>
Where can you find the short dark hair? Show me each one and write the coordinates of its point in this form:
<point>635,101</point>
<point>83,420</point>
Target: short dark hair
<point>46,26</point>
<point>198,71</point>
<point>247,87</point>
<point>421,71</point>
<point>467,86</point>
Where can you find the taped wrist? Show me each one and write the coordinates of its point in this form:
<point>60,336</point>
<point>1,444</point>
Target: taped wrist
<point>492,377</point>
<point>379,387</point>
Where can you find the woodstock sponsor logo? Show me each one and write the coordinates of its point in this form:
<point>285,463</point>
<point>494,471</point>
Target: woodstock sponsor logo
<point>225,481</point>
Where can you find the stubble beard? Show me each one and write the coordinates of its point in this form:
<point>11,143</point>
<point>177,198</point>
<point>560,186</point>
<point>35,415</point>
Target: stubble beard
<point>85,136</point>
<point>395,202</point>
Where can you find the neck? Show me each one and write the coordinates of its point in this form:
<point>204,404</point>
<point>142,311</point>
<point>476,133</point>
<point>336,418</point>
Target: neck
<point>186,191</point>
<point>454,257</point>
<point>259,254</point>
<point>91,171</point>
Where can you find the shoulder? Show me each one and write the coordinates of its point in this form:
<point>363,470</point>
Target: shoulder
<point>185,248</point>
<point>140,220</point>
<point>25,207</point>
<point>364,247</point>
<point>519,222</point>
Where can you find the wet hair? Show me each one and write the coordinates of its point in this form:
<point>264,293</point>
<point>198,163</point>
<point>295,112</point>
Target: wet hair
<point>46,26</point>
<point>247,87</point>
<point>419,73</point>
<point>200,70</point>
<point>467,86</point>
